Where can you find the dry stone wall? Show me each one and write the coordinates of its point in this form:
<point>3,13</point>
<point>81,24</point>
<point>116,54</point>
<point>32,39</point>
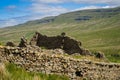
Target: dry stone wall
<point>37,60</point>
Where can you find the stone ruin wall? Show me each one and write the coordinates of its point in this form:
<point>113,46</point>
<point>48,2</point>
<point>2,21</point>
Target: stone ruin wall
<point>66,43</point>
<point>34,59</point>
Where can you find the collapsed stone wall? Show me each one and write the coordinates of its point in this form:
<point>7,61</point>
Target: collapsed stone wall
<point>37,60</point>
<point>66,43</point>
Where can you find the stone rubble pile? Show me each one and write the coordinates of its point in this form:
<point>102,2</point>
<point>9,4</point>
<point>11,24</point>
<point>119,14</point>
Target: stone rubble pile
<point>37,60</point>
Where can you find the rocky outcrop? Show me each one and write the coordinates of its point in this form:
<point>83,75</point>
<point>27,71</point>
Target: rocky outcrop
<point>37,60</point>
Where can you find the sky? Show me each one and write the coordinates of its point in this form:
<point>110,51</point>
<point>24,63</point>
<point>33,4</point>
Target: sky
<point>13,12</point>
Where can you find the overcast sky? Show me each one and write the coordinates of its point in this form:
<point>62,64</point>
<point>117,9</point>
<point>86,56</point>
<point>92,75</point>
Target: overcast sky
<point>14,12</point>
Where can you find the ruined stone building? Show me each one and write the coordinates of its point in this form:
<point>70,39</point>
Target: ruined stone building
<point>66,43</point>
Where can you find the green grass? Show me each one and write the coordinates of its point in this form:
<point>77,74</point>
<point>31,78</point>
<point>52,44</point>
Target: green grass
<point>110,54</point>
<point>16,73</point>
<point>1,43</point>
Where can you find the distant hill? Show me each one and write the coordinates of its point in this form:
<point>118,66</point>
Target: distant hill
<point>97,29</point>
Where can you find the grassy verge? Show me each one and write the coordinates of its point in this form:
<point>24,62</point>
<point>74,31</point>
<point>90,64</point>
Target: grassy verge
<point>12,72</point>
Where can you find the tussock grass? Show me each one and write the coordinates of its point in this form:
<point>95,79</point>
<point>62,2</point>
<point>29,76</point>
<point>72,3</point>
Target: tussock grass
<point>12,72</point>
<point>4,74</point>
<point>21,74</point>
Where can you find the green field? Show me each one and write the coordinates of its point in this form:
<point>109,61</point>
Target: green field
<point>98,30</point>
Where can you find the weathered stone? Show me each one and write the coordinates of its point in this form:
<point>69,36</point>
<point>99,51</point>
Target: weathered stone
<point>17,51</point>
<point>86,52</point>
<point>100,55</point>
<point>10,44</point>
<point>23,42</point>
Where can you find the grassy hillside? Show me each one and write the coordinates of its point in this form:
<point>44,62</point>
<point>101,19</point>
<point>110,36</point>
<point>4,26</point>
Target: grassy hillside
<point>98,29</point>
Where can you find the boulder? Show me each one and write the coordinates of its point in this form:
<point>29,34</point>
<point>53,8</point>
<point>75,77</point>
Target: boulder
<point>86,52</point>
<point>99,54</point>
<point>10,44</point>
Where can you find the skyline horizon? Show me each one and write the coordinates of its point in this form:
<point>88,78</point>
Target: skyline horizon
<point>21,11</point>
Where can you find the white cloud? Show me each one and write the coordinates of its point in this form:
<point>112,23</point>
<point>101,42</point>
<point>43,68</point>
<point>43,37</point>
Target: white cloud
<point>11,7</point>
<point>44,8</point>
<point>47,10</point>
<point>38,12</point>
<point>14,21</point>
<point>94,1</point>
<point>48,1</point>
<point>9,22</point>
<point>109,2</point>
<point>93,7</point>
